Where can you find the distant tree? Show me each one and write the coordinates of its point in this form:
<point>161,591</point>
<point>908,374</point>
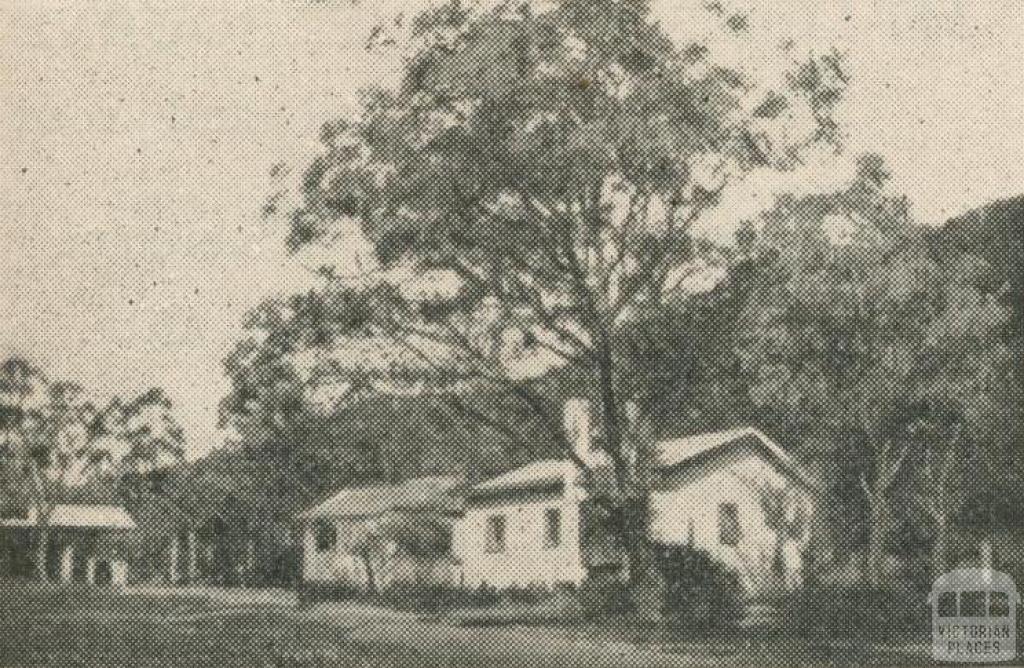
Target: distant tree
<point>964,369</point>
<point>787,518</point>
<point>147,430</point>
<point>854,321</point>
<point>829,334</point>
<point>528,190</point>
<point>57,437</point>
<point>995,233</point>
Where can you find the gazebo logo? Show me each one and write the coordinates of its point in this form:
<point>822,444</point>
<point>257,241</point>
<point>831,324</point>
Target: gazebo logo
<point>974,616</point>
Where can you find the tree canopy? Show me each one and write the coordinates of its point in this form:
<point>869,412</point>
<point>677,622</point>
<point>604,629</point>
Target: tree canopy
<point>56,439</point>
<point>530,191</point>
<point>534,180</point>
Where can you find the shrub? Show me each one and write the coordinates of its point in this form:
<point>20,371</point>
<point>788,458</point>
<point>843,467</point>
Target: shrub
<point>699,591</point>
<point>852,610</point>
<point>604,596</point>
<point>685,588</point>
<point>529,595</point>
<point>436,598</point>
<point>318,592</point>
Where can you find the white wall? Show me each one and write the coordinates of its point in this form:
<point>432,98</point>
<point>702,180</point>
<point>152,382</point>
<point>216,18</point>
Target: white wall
<point>526,559</point>
<point>337,564</point>
<point>688,500</point>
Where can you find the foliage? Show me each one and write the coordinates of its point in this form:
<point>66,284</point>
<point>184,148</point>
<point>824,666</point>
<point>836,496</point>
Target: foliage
<point>437,598</point>
<point>604,597</point>
<point>994,233</point>
<point>699,591</point>
<point>828,612</point>
<point>529,191</point>
<point>686,588</point>
<point>855,329</point>
<point>64,437</point>
<point>432,598</point>
<point>56,437</point>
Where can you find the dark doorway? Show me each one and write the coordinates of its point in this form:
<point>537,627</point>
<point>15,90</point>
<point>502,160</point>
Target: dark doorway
<point>103,575</point>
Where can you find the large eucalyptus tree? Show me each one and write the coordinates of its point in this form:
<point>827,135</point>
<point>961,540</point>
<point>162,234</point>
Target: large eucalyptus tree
<point>530,190</point>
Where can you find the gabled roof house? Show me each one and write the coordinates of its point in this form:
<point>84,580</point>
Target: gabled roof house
<point>534,525</point>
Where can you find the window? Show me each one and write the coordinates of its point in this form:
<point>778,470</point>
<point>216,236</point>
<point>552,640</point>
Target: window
<point>972,604</point>
<point>947,604</point>
<point>552,527</point>
<point>325,535</point>
<point>496,533</point>
<point>728,524</point>
<point>10,510</point>
<point>998,604</point>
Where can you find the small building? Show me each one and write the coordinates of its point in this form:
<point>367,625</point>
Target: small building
<point>85,543</point>
<point>740,497</point>
<point>373,536</point>
<point>524,527</point>
<point>735,494</point>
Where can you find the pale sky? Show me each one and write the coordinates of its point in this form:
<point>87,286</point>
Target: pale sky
<point>137,137</point>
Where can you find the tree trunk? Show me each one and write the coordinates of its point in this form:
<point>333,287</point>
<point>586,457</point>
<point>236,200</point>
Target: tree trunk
<point>371,584</point>
<point>941,547</point>
<point>985,554</point>
<point>875,565</point>
<point>886,469</point>
<point>637,545</point>
<point>610,414</point>
<point>640,443</point>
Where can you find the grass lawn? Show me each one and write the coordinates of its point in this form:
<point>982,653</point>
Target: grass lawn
<point>80,626</point>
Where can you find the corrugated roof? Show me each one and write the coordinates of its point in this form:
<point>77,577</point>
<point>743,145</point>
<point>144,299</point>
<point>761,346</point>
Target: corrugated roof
<point>678,451</point>
<point>544,473</point>
<point>94,516</point>
<point>427,493</point>
<point>668,453</point>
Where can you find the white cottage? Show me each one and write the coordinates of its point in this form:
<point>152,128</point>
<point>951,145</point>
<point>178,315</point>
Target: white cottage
<point>740,497</point>
<point>736,494</point>
<point>523,528</point>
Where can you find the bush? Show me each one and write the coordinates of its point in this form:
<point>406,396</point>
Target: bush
<point>685,588</point>
<point>318,592</point>
<point>529,595</point>
<point>853,610</point>
<point>699,591</point>
<point>604,596</point>
<point>436,598</point>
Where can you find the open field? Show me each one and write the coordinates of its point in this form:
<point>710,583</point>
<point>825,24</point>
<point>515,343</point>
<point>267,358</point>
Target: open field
<point>54,626</point>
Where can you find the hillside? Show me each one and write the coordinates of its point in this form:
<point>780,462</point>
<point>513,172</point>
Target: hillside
<point>994,232</point>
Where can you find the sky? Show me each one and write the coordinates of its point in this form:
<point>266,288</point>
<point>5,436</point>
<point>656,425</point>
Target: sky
<point>137,141</point>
